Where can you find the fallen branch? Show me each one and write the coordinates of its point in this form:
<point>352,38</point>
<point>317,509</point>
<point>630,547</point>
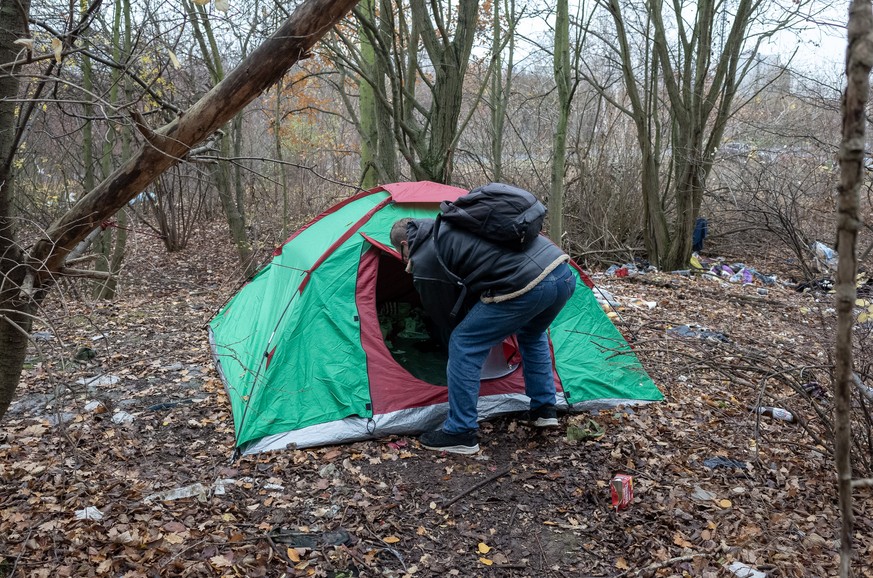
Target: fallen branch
<point>86,273</point>
<point>475,487</point>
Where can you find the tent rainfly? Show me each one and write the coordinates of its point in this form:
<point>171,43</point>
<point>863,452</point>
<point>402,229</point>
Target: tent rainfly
<point>328,343</point>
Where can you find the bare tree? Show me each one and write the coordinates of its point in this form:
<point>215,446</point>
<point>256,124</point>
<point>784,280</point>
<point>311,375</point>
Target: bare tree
<point>26,276</point>
<point>681,77</point>
<point>416,76</point>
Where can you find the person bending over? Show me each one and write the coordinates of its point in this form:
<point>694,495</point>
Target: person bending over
<point>505,292</point>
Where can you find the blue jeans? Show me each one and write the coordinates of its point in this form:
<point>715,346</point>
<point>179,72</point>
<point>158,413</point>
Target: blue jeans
<point>487,324</point>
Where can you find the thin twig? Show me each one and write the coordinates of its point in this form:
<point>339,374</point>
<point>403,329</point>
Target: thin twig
<point>475,487</point>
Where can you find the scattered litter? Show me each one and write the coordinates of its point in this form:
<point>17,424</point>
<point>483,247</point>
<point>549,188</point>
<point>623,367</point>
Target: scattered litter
<point>777,413</point>
<point>59,418</point>
<point>641,304</point>
<point>605,298</point>
<point>825,254</point>
<point>814,390</point>
<point>702,495</point>
<point>630,269</point>
<point>696,331</point>
<point>95,406</point>
<point>121,417</point>
<point>219,485</point>
<point>274,487</point>
<point>42,335</point>
<point>741,570</point>
<point>863,389</point>
<point>89,513</point>
<point>621,490</point>
<point>722,462</point>
<point>197,490</point>
<point>99,380</point>
<point>762,291</point>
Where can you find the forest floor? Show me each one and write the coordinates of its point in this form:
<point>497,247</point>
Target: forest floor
<point>88,466</point>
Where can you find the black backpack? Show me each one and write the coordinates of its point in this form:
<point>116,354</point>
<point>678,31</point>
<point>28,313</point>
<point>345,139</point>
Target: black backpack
<point>500,213</point>
<point>503,214</point>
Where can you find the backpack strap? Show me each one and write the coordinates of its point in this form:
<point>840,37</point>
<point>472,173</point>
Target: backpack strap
<point>462,283</point>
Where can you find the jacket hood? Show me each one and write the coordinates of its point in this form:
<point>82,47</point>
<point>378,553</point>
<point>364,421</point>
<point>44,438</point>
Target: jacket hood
<point>417,233</point>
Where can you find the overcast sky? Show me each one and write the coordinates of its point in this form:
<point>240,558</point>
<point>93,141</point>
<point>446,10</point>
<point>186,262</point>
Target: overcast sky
<point>821,46</point>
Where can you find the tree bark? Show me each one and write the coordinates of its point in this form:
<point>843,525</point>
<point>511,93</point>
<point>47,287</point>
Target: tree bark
<point>559,142</point>
<point>859,61</point>
<point>15,310</point>
<point>369,131</point>
<point>450,58</point>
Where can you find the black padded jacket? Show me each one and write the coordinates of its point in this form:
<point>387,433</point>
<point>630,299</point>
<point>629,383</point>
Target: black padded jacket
<point>489,272</point>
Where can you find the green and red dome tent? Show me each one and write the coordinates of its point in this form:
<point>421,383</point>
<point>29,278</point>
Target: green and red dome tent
<point>305,362</point>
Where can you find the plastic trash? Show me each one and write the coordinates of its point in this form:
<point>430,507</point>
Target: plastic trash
<point>777,413</point>
<point>611,271</point>
<point>814,390</point>
<point>197,490</point>
<point>99,380</point>
<point>605,298</point>
<point>741,570</point>
<point>121,417</point>
<point>826,254</point>
<point>89,513</point>
<point>95,406</point>
<point>688,331</point>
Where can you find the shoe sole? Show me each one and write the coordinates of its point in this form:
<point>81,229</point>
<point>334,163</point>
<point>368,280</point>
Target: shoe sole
<point>465,450</point>
<point>546,422</point>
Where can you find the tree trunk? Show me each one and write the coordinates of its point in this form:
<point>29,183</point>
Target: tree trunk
<point>15,310</point>
<point>498,104</point>
<point>450,59</point>
<point>559,142</point>
<point>116,239</point>
<point>386,152</point>
<point>369,131</point>
<point>222,177</point>
<point>858,65</point>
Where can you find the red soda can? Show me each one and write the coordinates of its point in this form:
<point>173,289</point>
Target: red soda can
<point>621,488</point>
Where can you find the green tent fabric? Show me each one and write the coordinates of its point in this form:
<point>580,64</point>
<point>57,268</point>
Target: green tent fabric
<point>304,363</point>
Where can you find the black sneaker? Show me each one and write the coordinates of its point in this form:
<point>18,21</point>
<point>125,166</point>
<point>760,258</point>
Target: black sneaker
<point>543,416</point>
<point>459,443</point>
